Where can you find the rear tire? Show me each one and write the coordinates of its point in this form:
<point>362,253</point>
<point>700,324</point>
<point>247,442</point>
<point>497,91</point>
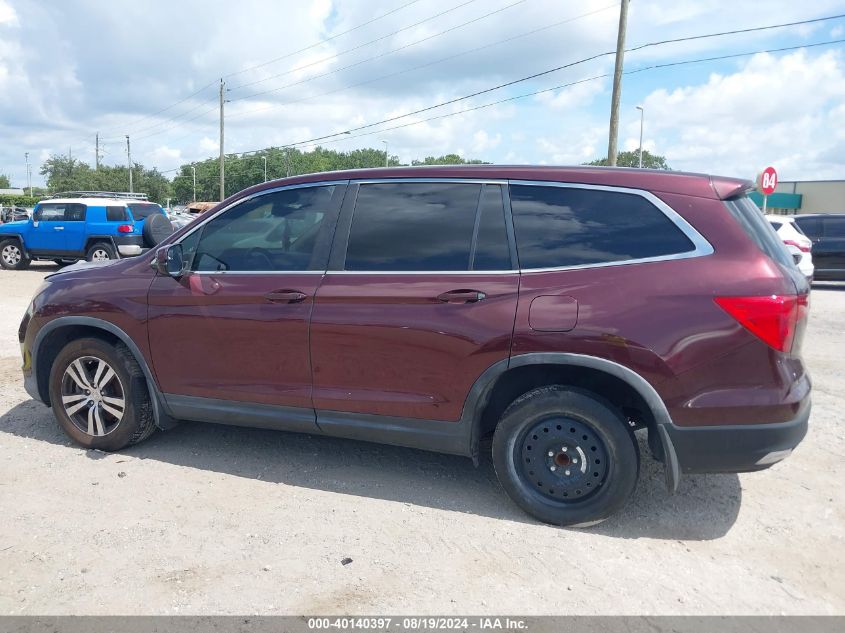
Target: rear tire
<point>565,456</point>
<point>100,252</point>
<point>96,408</point>
<point>12,256</point>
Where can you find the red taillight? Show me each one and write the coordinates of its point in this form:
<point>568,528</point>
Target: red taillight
<point>801,247</point>
<point>125,228</point>
<point>773,318</point>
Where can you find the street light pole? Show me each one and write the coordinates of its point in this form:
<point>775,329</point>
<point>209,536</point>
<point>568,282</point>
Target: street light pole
<point>386,155</point>
<point>28,174</point>
<point>265,168</point>
<point>642,114</point>
<point>129,162</point>
<point>194,170</point>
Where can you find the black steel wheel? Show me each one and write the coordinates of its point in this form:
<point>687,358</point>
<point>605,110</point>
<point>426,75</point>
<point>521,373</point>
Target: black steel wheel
<point>565,456</point>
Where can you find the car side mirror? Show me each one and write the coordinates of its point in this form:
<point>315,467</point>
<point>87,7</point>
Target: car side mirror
<point>169,260</point>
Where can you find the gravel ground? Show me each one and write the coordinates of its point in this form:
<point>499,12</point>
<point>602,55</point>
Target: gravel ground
<point>208,519</point>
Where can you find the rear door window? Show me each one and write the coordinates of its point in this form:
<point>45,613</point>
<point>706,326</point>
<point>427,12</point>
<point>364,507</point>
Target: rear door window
<point>413,226</point>
<point>491,250</point>
<point>567,226</point>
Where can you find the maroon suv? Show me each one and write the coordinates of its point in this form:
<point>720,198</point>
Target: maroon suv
<point>557,309</point>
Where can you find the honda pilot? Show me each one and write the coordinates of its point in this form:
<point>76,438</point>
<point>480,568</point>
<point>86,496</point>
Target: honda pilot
<point>556,310</point>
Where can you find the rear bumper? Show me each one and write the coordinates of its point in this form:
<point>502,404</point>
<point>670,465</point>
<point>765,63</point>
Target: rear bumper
<point>129,245</point>
<point>737,448</point>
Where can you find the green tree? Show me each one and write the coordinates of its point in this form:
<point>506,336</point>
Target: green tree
<point>69,174</point>
<point>632,159</point>
<point>243,171</point>
<point>448,159</point>
<point>4,182</point>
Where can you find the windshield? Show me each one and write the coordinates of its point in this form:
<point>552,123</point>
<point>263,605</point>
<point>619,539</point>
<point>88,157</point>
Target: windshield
<point>758,229</point>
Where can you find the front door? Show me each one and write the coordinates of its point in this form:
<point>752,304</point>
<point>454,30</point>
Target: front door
<point>418,306</point>
<point>233,330</point>
<point>49,223</point>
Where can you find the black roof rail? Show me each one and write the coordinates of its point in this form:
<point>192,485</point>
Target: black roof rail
<point>124,195</point>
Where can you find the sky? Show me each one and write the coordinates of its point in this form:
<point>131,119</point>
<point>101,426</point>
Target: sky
<point>296,71</point>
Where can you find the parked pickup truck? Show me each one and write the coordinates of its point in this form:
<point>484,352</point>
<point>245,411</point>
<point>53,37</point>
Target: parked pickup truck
<point>95,226</point>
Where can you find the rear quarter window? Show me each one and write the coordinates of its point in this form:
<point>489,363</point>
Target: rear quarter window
<point>758,229</point>
<point>566,226</point>
<point>142,210</point>
<point>116,214</point>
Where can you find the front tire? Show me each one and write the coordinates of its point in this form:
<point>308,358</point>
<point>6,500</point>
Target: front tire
<point>12,256</point>
<point>100,252</point>
<point>565,456</point>
<point>99,395</point>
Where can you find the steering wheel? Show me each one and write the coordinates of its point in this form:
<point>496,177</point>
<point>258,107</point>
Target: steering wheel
<point>260,258</point>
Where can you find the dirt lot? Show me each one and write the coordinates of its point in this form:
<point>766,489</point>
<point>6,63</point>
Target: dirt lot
<point>214,519</point>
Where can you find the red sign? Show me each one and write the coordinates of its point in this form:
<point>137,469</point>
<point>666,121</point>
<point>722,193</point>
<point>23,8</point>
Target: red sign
<point>767,181</point>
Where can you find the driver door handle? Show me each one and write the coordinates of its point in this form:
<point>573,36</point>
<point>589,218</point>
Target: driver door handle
<point>286,296</point>
<point>462,296</point>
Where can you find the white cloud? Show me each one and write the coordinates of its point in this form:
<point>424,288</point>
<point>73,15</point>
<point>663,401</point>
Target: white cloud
<point>8,17</point>
<point>772,110</point>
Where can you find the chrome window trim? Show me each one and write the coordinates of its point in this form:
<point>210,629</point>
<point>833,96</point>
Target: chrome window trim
<point>467,181</point>
<point>422,272</point>
<point>194,229</point>
<point>701,247</point>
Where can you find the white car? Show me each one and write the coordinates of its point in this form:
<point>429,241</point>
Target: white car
<point>799,245</point>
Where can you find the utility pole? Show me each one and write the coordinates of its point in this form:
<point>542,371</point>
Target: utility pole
<point>617,84</point>
<point>194,169</point>
<point>386,155</point>
<point>129,162</point>
<point>265,168</point>
<point>97,151</point>
<point>222,165</point>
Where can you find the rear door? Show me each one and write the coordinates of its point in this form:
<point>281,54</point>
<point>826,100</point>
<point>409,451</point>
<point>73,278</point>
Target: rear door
<point>232,331</point>
<point>419,300</point>
<point>140,211</point>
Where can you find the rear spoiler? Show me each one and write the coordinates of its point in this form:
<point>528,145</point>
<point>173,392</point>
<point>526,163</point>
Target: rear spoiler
<point>727,188</point>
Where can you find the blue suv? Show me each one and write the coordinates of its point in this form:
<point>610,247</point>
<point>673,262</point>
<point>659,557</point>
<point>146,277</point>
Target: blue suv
<point>96,226</point>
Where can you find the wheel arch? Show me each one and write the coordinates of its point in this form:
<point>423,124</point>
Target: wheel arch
<point>18,237</point>
<point>93,239</point>
<point>53,336</point>
<point>622,387</point>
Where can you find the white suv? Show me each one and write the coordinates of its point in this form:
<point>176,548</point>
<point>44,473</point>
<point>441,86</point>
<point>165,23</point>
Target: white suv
<point>799,245</point>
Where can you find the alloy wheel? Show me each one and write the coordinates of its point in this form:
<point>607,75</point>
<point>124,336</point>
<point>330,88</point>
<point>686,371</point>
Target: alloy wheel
<point>93,396</point>
<point>12,255</point>
<point>100,255</point>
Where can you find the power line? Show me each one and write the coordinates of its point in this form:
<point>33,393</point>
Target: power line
<point>414,68</point>
<point>553,88</point>
<point>321,42</point>
<point>569,85</point>
<point>380,55</point>
<point>355,48</point>
<point>553,70</point>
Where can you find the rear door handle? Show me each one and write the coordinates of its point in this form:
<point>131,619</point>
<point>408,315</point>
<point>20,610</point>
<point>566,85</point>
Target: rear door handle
<point>58,228</point>
<point>462,296</point>
<point>286,296</point>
